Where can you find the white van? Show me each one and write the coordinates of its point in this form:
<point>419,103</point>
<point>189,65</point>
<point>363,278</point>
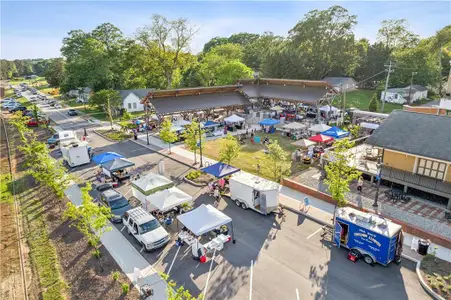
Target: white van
<point>145,228</point>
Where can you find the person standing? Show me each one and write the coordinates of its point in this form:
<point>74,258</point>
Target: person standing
<point>135,134</point>
<point>360,184</point>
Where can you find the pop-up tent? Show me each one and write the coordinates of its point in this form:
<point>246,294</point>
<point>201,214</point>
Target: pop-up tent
<point>328,108</point>
<point>303,143</point>
<point>150,184</point>
<point>203,219</point>
<point>336,132</point>
<point>164,200</point>
<point>117,164</point>
<point>181,123</point>
<point>276,108</point>
<point>319,128</point>
<point>209,124</point>
<point>369,125</point>
<point>268,122</point>
<point>295,126</point>
<point>177,128</point>
<point>105,157</point>
<point>234,119</point>
<point>319,138</point>
<point>220,170</point>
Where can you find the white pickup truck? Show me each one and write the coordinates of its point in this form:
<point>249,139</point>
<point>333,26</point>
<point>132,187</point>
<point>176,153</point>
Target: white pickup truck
<point>145,228</point>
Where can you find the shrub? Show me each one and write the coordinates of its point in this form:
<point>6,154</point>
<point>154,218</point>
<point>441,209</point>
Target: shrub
<point>125,288</point>
<point>115,275</point>
<point>194,174</point>
<point>96,253</point>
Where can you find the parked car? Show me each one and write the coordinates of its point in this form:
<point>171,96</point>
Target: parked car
<point>54,139</point>
<point>33,123</point>
<point>145,228</point>
<point>52,103</point>
<point>72,112</point>
<point>111,198</point>
<point>58,106</point>
<point>17,108</point>
<point>10,104</point>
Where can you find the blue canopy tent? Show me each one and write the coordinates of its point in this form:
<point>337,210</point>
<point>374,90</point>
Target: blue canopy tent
<point>105,157</point>
<point>336,132</point>
<point>210,124</point>
<point>269,122</point>
<point>220,170</point>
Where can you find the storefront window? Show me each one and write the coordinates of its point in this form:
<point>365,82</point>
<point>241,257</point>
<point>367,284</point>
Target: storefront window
<point>431,168</point>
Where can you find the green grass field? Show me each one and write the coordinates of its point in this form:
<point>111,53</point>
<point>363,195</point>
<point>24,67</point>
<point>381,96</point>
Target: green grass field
<point>251,154</point>
<point>361,99</point>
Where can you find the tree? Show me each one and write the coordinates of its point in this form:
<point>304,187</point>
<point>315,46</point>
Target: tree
<point>394,34</point>
<point>373,103</point>
<point>172,39</point>
<point>166,133</point>
<point>339,172</point>
<point>256,52</point>
<point>276,163</point>
<point>193,138</point>
<point>180,293</point>
<point>228,51</point>
<point>230,149</point>
<point>231,71</point>
<point>109,101</point>
<point>216,41</point>
<point>243,38</point>
<point>91,219</point>
<point>55,72</point>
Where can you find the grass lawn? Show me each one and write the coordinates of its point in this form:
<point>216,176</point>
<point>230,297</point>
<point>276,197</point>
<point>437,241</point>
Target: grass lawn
<point>361,99</point>
<point>115,135</point>
<point>251,154</point>
<point>437,273</point>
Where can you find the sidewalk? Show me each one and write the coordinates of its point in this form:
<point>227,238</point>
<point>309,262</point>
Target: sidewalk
<point>319,210</point>
<point>126,256</point>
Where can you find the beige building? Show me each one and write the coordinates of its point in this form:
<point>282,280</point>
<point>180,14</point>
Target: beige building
<point>416,153</point>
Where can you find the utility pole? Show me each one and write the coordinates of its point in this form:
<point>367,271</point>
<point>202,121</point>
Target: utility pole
<point>386,87</point>
<point>410,88</point>
<point>146,105</point>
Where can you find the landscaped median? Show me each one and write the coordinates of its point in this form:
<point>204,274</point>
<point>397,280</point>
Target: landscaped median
<point>436,273</point>
<point>114,135</point>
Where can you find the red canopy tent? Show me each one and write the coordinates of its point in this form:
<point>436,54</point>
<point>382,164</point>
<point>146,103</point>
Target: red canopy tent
<point>319,138</point>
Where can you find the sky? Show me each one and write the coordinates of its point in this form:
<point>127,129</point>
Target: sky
<point>35,29</point>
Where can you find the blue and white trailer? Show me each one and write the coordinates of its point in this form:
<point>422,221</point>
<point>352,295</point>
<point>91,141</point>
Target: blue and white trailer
<point>368,236</point>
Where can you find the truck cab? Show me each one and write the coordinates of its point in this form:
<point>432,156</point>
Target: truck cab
<point>145,229</point>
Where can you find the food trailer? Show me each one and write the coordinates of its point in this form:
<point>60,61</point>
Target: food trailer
<point>75,152</point>
<point>249,191</point>
<point>367,236</point>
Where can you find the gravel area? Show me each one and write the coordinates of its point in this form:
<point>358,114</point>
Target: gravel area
<point>311,178</point>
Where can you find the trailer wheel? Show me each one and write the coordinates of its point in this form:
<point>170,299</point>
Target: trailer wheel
<point>243,205</point>
<point>238,203</point>
<point>368,259</point>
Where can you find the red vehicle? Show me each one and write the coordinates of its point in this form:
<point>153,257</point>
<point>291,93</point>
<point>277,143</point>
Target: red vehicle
<point>34,123</point>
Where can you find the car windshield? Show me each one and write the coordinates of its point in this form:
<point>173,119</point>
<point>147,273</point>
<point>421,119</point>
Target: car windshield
<point>149,226</point>
<point>116,204</point>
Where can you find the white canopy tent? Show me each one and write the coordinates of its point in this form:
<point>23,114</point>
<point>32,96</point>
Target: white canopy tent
<point>304,143</point>
<point>164,200</point>
<point>204,219</point>
<point>369,125</point>
<point>276,108</point>
<point>177,128</point>
<point>181,123</point>
<point>319,128</point>
<point>295,126</point>
<point>328,108</point>
<point>151,183</point>
<point>234,119</point>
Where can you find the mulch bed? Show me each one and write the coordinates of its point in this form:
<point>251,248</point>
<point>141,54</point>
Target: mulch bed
<point>437,274</point>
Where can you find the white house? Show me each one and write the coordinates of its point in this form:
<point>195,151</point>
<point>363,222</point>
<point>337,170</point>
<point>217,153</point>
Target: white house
<point>401,95</point>
<point>131,99</point>
<point>82,94</point>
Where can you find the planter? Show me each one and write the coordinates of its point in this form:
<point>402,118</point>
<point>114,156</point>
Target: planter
<point>194,183</point>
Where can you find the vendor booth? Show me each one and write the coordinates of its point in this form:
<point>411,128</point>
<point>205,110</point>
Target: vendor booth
<point>336,132</point>
<point>294,130</point>
<point>220,170</point>
<point>319,128</point>
<point>233,122</point>
<point>371,126</point>
<point>276,108</point>
<point>304,143</point>
<point>115,168</point>
<point>200,221</point>
<point>319,138</point>
<point>212,128</point>
<point>269,125</point>
<point>105,157</point>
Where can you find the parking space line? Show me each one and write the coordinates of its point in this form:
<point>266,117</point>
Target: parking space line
<point>319,229</point>
<point>209,272</point>
<point>142,249</point>
<point>127,192</point>
<point>297,294</point>
<point>252,276</point>
<point>173,260</point>
<point>123,228</point>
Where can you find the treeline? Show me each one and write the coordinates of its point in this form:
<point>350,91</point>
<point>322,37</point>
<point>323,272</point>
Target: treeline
<point>321,44</point>
<point>23,67</point>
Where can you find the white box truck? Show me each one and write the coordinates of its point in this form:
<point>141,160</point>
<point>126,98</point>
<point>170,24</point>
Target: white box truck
<point>75,152</point>
<point>249,191</point>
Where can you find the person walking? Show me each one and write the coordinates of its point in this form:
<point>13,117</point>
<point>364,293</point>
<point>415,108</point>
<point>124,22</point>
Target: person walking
<point>135,134</point>
<point>360,184</point>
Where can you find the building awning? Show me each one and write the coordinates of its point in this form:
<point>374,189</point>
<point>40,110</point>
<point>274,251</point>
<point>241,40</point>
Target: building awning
<point>203,219</point>
<point>220,170</point>
<point>269,122</point>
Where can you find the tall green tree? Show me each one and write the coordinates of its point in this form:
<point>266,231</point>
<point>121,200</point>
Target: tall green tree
<point>54,73</point>
<point>109,101</point>
<point>230,149</point>
<point>216,41</point>
<point>231,71</point>
<point>394,34</point>
<point>172,38</point>
<point>276,163</point>
<point>339,172</point>
<point>167,135</point>
<point>194,138</point>
<point>243,38</point>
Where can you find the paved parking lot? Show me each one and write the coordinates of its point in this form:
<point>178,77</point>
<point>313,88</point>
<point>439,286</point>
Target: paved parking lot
<point>288,256</point>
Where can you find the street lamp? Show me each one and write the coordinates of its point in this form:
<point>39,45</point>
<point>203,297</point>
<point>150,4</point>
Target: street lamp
<point>378,178</point>
<point>200,146</point>
<point>147,122</point>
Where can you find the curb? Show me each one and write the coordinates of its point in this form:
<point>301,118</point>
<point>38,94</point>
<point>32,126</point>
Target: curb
<point>193,183</point>
<point>107,138</point>
<point>321,222</point>
<point>424,284</point>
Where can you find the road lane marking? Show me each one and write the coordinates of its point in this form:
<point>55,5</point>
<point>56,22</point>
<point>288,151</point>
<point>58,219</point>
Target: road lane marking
<point>173,260</point>
<point>297,294</point>
<point>127,192</point>
<point>209,272</point>
<point>319,229</point>
<point>123,228</point>
<point>252,275</point>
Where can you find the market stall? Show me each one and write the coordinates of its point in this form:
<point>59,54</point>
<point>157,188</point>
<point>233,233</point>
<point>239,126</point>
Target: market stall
<point>336,132</point>
<point>200,221</point>
<point>115,168</point>
<point>268,125</point>
<point>105,157</point>
<point>233,122</point>
<point>212,128</point>
<point>220,170</point>
<point>304,143</point>
<point>294,130</point>
<point>319,138</point>
<point>319,128</point>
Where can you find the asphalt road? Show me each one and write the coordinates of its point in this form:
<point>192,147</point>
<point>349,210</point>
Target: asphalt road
<point>289,255</point>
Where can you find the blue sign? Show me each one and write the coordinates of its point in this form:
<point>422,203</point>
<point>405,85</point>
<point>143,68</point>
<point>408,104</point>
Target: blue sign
<point>306,202</point>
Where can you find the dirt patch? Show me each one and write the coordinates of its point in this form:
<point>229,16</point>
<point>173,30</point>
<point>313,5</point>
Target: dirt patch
<point>437,274</point>
<point>62,260</point>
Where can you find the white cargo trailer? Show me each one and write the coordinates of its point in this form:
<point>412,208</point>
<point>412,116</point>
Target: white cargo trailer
<point>75,152</point>
<point>249,191</point>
